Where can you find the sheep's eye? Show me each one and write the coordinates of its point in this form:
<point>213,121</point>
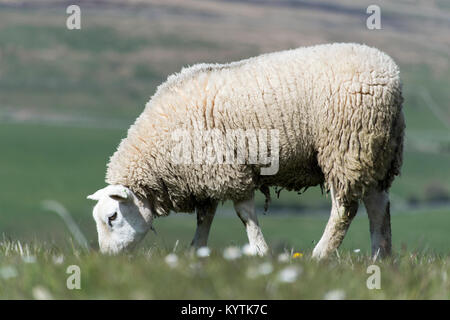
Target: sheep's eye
<point>112,218</point>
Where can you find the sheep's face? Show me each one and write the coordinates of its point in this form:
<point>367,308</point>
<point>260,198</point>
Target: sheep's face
<point>122,218</point>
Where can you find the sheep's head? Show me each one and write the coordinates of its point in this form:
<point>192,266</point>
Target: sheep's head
<point>122,218</point>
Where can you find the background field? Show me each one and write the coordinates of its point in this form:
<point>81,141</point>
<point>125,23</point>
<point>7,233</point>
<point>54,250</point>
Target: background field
<point>68,97</point>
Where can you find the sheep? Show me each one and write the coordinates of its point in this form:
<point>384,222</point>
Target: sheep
<point>336,114</point>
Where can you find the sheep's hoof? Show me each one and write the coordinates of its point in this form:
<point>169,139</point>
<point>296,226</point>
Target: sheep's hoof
<point>319,253</point>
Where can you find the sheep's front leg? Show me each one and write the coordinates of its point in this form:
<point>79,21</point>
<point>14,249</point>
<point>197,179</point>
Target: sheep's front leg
<point>246,212</point>
<point>377,206</point>
<point>340,218</point>
<point>205,216</point>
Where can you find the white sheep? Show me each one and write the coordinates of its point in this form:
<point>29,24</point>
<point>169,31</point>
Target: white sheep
<point>335,109</point>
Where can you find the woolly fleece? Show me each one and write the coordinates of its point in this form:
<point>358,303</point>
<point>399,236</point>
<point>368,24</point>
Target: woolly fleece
<point>338,109</point>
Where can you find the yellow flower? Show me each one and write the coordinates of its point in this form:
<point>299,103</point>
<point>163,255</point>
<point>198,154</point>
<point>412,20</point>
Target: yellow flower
<point>297,255</point>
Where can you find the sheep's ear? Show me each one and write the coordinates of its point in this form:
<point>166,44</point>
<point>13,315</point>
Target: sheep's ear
<point>97,195</point>
<point>116,192</point>
<point>119,193</point>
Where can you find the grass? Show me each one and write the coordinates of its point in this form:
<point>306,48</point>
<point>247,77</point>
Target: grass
<point>40,271</point>
<point>418,269</point>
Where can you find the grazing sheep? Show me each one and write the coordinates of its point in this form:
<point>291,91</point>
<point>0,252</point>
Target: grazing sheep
<point>336,109</point>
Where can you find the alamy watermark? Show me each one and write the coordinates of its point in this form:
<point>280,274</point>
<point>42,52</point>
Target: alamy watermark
<point>73,22</point>
<point>373,281</point>
<point>74,280</point>
<point>258,147</point>
<point>373,22</point>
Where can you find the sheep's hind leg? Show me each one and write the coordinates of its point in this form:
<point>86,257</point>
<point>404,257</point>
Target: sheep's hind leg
<point>246,212</point>
<point>377,206</point>
<point>205,216</point>
<point>340,218</point>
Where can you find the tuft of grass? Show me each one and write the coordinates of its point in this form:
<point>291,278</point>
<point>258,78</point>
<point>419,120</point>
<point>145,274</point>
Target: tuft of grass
<point>38,270</point>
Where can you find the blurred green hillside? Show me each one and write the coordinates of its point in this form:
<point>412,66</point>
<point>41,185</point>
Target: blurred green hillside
<point>68,97</point>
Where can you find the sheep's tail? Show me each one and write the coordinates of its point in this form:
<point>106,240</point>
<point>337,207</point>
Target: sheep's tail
<point>397,158</point>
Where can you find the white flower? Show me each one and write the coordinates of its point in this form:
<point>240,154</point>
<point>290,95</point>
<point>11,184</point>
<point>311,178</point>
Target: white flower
<point>265,268</point>
<point>58,259</point>
<point>284,257</point>
<point>172,260</point>
<point>203,252</point>
<point>29,259</point>
<point>249,250</point>
<point>41,293</point>
<point>289,274</point>
<point>8,272</point>
<point>357,250</point>
<point>337,294</point>
<point>232,253</point>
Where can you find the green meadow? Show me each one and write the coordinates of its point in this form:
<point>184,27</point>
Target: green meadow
<point>41,271</point>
